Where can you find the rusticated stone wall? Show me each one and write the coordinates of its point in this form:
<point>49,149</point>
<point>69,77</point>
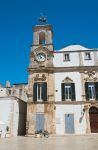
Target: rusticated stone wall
<point>49,117</point>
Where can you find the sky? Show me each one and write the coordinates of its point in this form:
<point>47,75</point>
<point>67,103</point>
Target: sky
<point>73,21</point>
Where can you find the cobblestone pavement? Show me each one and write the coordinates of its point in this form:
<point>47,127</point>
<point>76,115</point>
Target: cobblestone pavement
<point>88,142</point>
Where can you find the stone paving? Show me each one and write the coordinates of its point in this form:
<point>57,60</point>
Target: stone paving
<point>70,142</point>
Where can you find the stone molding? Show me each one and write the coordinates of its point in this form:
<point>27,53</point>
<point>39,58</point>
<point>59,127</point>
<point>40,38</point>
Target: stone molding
<point>64,69</point>
<point>67,80</point>
<point>66,102</point>
<point>41,27</point>
<point>90,76</point>
<point>77,51</point>
<point>88,106</point>
<point>40,49</point>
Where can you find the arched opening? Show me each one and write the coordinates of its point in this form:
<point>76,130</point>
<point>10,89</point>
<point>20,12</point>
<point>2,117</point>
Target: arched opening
<point>93,114</point>
<point>42,38</point>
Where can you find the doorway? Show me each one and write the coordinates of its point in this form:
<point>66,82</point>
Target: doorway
<point>39,122</point>
<point>69,123</point>
<point>93,114</point>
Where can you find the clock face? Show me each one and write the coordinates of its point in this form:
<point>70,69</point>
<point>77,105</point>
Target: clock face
<point>40,57</point>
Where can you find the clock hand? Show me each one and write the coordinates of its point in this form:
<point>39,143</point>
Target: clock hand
<point>40,57</point>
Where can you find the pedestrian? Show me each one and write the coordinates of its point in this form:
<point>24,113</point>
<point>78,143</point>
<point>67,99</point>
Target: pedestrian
<point>0,133</point>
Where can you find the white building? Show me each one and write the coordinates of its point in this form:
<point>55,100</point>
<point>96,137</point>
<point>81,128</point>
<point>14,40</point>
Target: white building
<point>12,112</point>
<point>76,89</point>
<point>62,86</point>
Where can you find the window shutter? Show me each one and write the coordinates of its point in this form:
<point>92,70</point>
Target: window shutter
<point>73,92</point>
<point>35,92</point>
<point>86,91</point>
<point>44,91</point>
<point>96,90</point>
<point>63,91</point>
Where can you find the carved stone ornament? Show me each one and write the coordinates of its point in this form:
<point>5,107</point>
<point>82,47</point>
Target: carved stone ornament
<point>32,55</point>
<point>88,106</point>
<point>67,80</point>
<point>40,78</point>
<point>90,76</point>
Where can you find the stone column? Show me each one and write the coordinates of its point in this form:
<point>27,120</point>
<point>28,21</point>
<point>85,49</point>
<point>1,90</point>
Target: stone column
<point>50,118</point>
<point>83,87</point>
<point>51,87</point>
<point>88,130</point>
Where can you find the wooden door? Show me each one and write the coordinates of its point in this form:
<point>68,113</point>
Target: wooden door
<point>93,113</point>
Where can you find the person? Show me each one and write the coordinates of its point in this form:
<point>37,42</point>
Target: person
<point>0,133</point>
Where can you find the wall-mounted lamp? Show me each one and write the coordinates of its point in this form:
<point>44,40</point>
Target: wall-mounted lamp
<point>54,107</point>
<point>82,114</point>
<point>84,110</point>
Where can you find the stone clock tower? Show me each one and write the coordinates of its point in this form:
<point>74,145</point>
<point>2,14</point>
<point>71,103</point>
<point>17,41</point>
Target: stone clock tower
<point>40,112</point>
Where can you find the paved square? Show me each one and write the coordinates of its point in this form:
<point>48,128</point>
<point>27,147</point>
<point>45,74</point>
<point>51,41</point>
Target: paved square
<point>88,142</point>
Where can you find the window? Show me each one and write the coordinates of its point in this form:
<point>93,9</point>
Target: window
<point>68,91</point>
<point>91,90</point>
<point>40,91</point>
<point>66,57</point>
<point>87,56</point>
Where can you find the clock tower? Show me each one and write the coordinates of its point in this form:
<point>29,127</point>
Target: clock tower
<point>40,115</point>
<point>41,54</point>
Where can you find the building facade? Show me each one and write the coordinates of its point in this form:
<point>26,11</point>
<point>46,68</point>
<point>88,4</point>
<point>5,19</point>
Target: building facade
<point>62,86</point>
<point>13,110</point>
<point>61,93</point>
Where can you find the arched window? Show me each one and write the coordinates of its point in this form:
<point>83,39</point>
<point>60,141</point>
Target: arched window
<point>42,38</point>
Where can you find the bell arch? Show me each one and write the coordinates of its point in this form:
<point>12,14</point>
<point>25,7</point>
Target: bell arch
<point>42,38</point>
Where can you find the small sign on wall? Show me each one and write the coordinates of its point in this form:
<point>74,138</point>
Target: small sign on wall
<point>58,120</point>
<point>33,117</point>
